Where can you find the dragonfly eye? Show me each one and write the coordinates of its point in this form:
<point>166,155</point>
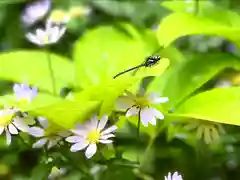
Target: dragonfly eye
<point>151,61</point>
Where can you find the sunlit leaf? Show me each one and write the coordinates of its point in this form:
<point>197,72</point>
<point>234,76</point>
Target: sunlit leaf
<point>217,105</point>
<point>111,52</point>
<point>188,24</point>
<point>32,67</point>
<point>180,81</point>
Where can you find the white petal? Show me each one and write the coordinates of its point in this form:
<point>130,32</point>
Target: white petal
<point>107,136</point>
<point>93,122</point>
<point>91,150</point>
<point>8,138</point>
<point>132,111</point>
<point>1,130</point>
<point>43,121</point>
<point>40,34</point>
<point>12,129</point>
<point>105,141</point>
<point>80,130</point>
<point>146,115</point>
<point>62,31</point>
<point>75,139</point>
<point>102,122</point>
<point>79,146</point>
<point>157,113</point>
<point>109,130</point>
<point>156,99</point>
<point>33,38</point>
<point>40,143</point>
<point>124,102</point>
<point>36,131</point>
<point>20,124</point>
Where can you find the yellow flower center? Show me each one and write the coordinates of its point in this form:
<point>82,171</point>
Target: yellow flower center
<point>5,117</point>
<point>94,136</point>
<point>46,39</point>
<point>142,101</point>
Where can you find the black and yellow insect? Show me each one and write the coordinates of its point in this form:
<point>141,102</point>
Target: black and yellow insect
<point>149,62</point>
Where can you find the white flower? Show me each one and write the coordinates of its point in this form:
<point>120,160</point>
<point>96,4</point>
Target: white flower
<point>24,93</point>
<point>50,35</point>
<point>35,11</point>
<point>10,124</point>
<point>56,173</point>
<point>88,135</point>
<point>47,134</point>
<point>175,176</point>
<point>141,105</point>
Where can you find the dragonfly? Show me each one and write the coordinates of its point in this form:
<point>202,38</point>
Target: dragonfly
<point>149,62</point>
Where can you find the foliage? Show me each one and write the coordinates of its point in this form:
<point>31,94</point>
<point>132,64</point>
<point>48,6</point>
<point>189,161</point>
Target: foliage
<point>75,81</point>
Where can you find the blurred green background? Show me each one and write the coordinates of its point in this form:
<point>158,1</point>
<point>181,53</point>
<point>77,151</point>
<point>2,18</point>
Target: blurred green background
<point>199,150</point>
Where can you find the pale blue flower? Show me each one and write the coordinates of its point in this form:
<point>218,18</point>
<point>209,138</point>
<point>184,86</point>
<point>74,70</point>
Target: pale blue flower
<point>24,93</point>
<point>35,11</point>
<point>174,176</point>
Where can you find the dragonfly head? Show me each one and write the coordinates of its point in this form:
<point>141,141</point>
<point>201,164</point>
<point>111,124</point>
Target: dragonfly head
<point>151,61</point>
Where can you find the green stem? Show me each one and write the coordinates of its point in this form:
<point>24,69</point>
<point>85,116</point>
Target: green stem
<point>138,125</point>
<point>50,67</point>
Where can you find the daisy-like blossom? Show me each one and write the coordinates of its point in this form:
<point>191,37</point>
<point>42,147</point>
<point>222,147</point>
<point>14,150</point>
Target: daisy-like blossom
<point>87,136</point>
<point>142,105</point>
<point>174,176</point>
<point>35,11</point>
<point>46,135</point>
<point>11,124</point>
<point>50,35</point>
<point>24,93</point>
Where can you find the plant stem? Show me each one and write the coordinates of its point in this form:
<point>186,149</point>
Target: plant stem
<point>50,67</point>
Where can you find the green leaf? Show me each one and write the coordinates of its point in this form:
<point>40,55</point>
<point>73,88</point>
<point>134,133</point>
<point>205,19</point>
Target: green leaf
<point>218,105</point>
<point>205,9</point>
<point>41,172</point>
<point>41,100</point>
<point>65,113</point>
<point>183,79</point>
<point>106,93</point>
<point>32,67</point>
<point>104,52</point>
<point>188,24</point>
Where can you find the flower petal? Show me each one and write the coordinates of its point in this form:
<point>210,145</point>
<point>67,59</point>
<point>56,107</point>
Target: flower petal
<point>20,124</point>
<point>109,130</point>
<point>157,113</point>
<point>40,143</point>
<point>43,121</point>
<point>12,129</point>
<point>156,99</point>
<point>36,131</point>
<point>132,111</point>
<point>91,150</point>
<point>146,115</point>
<point>105,141</point>
<point>93,122</point>
<point>124,102</point>
<point>102,123</point>
<point>79,146</point>
<point>8,138</point>
<point>75,139</point>
<point>107,136</point>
